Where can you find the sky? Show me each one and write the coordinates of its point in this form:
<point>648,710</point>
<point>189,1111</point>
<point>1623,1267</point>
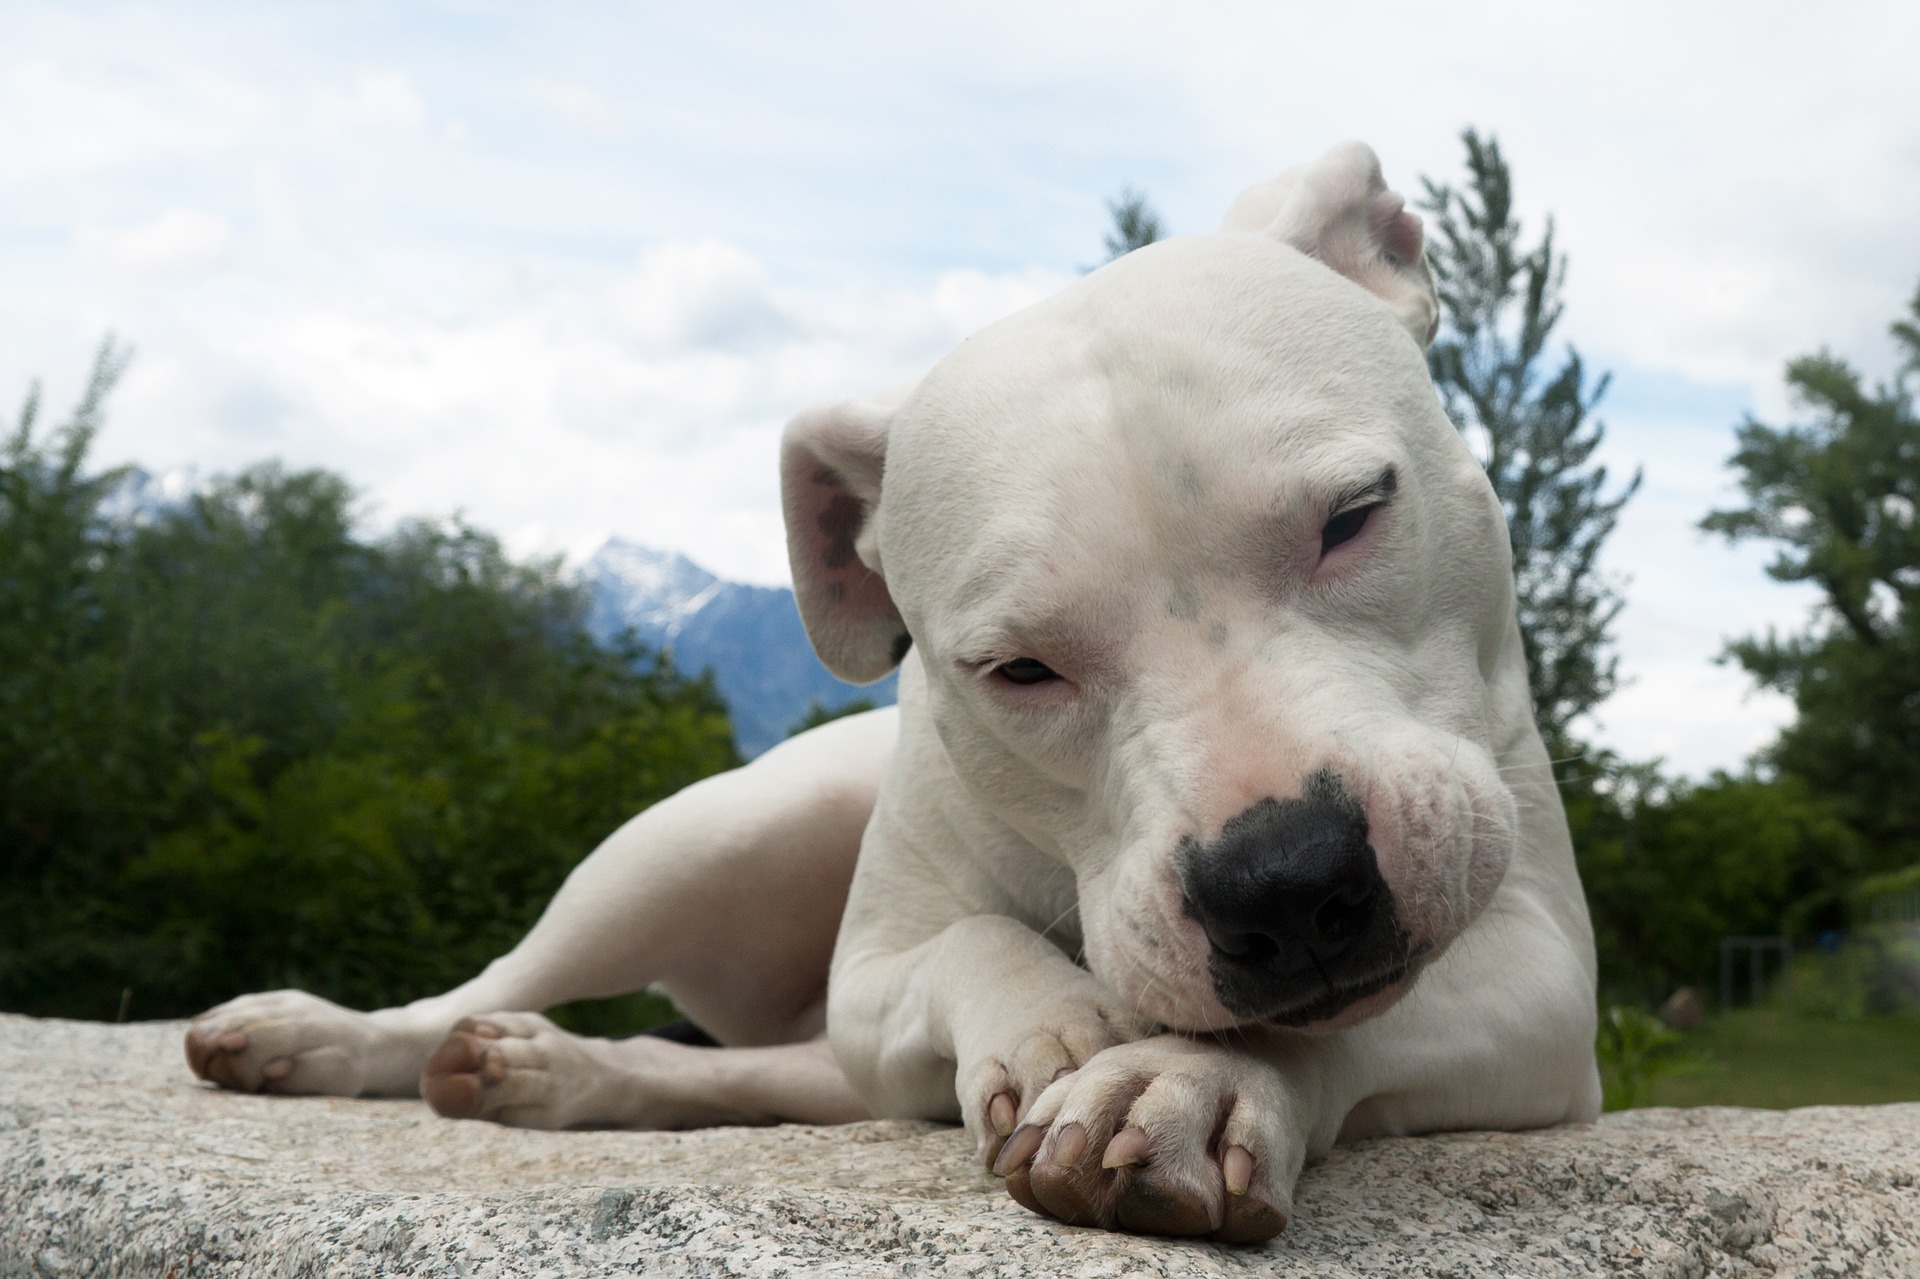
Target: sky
<point>567,269</point>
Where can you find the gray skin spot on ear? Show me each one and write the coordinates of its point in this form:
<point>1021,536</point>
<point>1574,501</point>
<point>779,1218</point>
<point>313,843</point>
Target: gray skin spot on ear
<point>836,591</point>
<point>840,521</point>
<point>1217,635</point>
<point>1183,606</point>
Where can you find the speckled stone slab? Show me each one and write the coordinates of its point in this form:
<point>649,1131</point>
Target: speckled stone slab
<point>115,1162</point>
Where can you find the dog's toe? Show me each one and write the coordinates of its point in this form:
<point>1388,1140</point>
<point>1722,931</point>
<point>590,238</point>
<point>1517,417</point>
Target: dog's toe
<point>1152,1206</point>
<point>451,1082</point>
<point>1067,1182</point>
<point>516,1068</point>
<point>1250,1218</point>
<point>998,1088</point>
<point>1164,1137</point>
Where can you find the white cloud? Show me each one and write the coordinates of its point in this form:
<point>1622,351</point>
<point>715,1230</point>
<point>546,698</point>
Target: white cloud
<point>380,100</point>
<point>559,411</point>
<point>577,105</point>
<point>1735,181</point>
<point>704,294</point>
<point>1689,594</point>
<point>404,270</point>
<point>182,240</point>
<point>388,98</point>
<point>57,123</point>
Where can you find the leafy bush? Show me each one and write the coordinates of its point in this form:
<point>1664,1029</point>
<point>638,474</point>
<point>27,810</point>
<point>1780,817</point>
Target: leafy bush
<point>1671,868</point>
<point>1634,1048</point>
<point>1875,972</point>
<point>242,746</point>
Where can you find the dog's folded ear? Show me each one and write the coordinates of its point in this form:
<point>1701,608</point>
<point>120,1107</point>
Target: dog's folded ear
<point>831,460</point>
<point>1338,209</point>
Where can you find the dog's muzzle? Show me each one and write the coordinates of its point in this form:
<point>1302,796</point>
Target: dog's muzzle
<point>1299,920</point>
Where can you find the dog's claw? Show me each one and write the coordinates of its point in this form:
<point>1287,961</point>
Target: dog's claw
<point>1129,1146</point>
<point>1020,1148</point>
<point>1236,1169</point>
<point>1069,1146</point>
<point>1001,1113</point>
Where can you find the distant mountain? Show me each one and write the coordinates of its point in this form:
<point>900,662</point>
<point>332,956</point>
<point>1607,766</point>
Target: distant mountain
<point>750,636</point>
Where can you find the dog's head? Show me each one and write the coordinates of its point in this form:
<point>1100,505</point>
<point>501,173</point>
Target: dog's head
<point>1214,606</point>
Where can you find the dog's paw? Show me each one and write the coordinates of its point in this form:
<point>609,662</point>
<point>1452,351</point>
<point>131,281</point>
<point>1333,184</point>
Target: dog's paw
<point>510,1068</point>
<point>1166,1136</point>
<point>287,1041</point>
<point>997,1085</point>
<point>521,1070</point>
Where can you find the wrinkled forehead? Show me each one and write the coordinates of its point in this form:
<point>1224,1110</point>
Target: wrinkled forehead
<point>1190,384</point>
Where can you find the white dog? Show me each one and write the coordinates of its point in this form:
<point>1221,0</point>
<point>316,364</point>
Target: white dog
<point>1212,827</point>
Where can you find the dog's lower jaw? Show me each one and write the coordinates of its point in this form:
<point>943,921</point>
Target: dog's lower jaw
<point>1336,1010</point>
<point>1378,999</point>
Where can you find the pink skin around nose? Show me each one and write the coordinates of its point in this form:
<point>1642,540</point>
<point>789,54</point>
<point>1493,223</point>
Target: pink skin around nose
<point>1168,976</point>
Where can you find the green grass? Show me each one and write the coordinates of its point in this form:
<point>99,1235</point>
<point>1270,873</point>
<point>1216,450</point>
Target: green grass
<point>1775,1060</point>
<point>614,1018</point>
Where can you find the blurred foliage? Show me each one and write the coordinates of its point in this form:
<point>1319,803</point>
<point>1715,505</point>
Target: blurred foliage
<point>244,747</point>
<point>1838,496</point>
<point>1875,972</point>
<point>1671,867</point>
<point>614,1018</point>
<point>1892,897</point>
<point>1634,1049</point>
<point>1135,224</point>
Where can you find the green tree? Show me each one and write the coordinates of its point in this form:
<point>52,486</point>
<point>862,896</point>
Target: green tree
<point>242,746</point>
<point>1135,224</point>
<point>1837,496</point>
<point>1672,867</point>
<point>1500,302</point>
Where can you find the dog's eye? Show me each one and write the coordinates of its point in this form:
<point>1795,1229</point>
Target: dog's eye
<point>1345,526</point>
<point>1024,670</point>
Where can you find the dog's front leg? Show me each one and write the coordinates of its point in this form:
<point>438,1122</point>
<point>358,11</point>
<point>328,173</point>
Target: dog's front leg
<point>972,1023</point>
<point>1207,1135</point>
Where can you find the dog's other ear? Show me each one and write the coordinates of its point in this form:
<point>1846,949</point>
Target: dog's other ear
<point>1338,209</point>
<point>831,461</point>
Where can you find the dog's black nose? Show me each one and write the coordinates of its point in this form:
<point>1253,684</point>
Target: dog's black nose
<point>1290,896</point>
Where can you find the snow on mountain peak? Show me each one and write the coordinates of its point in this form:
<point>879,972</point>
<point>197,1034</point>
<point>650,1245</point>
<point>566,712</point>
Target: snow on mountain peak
<point>749,636</point>
<point>650,590</point>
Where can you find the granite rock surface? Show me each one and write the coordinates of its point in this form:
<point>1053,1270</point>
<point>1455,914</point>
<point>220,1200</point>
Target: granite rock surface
<point>115,1162</point>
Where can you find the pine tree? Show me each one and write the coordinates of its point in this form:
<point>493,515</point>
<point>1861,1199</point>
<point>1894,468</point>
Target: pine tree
<point>1135,224</point>
<point>1838,496</point>
<point>1500,302</point>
